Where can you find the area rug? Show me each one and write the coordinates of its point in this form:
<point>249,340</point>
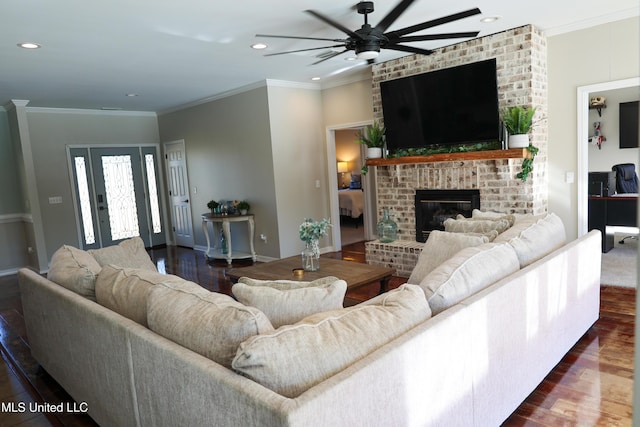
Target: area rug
<point>619,265</point>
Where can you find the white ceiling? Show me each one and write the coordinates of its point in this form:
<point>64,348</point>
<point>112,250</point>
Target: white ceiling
<point>174,53</point>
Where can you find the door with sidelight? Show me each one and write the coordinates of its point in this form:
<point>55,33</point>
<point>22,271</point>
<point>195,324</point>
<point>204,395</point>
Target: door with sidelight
<point>117,195</point>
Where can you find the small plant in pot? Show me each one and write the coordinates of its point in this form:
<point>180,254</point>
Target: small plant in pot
<point>518,120</point>
<point>373,137</point>
<point>212,205</point>
<point>243,206</point>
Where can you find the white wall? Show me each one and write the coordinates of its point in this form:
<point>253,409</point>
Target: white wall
<point>594,55</point>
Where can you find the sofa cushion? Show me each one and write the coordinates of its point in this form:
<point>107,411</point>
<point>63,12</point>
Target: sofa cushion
<point>75,270</point>
<point>208,323</point>
<point>288,301</point>
<point>296,357</point>
<point>125,290</point>
<point>467,272</point>
<point>533,240</point>
<point>439,247</point>
<point>469,225</point>
<point>129,253</point>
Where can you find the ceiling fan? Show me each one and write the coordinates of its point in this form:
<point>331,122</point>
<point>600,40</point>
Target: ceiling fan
<point>367,40</point>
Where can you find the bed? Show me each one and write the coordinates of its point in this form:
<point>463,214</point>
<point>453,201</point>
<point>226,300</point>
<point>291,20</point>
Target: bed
<point>351,202</point>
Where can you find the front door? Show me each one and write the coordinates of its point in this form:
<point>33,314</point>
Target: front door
<point>117,195</point>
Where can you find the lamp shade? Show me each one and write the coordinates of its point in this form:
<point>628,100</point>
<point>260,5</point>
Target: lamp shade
<point>343,167</point>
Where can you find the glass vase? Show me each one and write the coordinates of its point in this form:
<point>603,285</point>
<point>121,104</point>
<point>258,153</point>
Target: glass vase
<point>387,228</point>
<point>311,256</point>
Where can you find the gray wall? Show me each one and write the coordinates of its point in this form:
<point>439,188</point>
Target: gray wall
<point>229,157</point>
<point>594,55</point>
<point>50,131</point>
<point>264,145</point>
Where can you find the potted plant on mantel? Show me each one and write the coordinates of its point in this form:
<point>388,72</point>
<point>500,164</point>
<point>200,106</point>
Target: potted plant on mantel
<point>373,137</point>
<point>517,120</point>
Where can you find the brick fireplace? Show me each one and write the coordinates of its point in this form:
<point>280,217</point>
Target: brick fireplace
<point>522,80</point>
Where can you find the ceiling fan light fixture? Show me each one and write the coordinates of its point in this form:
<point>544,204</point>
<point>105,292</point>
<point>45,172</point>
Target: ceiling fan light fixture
<point>259,46</point>
<point>367,54</point>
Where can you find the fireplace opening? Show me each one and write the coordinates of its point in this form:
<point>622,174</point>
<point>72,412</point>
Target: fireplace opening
<point>434,207</point>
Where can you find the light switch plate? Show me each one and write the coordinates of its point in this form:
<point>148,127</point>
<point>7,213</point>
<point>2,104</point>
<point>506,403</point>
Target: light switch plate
<point>55,200</point>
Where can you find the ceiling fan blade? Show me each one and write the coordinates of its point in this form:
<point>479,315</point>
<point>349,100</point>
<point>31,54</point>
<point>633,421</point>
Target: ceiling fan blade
<point>441,36</point>
<point>335,24</point>
<point>410,49</point>
<point>304,50</point>
<point>300,38</point>
<point>393,15</point>
<point>433,23</point>
<point>330,56</point>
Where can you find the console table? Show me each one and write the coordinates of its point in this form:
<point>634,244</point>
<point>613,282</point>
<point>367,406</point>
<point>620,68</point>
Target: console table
<point>619,209</point>
<point>226,221</point>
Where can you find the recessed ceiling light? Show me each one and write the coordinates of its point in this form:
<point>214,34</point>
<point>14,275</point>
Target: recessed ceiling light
<point>315,78</point>
<point>29,45</point>
<point>489,19</point>
<point>131,95</point>
<point>258,46</point>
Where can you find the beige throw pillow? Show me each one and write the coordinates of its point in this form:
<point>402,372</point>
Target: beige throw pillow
<point>208,323</point>
<point>439,247</point>
<point>287,302</point>
<point>467,272</point>
<point>125,290</point>
<point>477,214</point>
<point>75,270</point>
<point>538,239</point>
<point>129,253</point>
<point>296,357</point>
<point>467,225</point>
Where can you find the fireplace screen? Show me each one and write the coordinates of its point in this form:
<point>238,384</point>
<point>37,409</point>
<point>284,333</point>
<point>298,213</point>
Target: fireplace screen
<point>434,207</point>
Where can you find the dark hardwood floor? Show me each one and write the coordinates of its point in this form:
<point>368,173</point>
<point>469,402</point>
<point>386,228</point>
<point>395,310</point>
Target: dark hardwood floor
<point>591,386</point>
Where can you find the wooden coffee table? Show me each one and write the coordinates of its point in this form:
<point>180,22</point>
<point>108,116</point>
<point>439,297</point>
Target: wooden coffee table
<point>354,273</point>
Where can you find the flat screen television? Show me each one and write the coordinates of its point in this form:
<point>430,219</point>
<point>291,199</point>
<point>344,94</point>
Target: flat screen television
<point>452,106</point>
<point>629,129</point>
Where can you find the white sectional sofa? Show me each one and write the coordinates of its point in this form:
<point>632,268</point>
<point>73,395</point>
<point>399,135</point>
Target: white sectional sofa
<point>471,364</point>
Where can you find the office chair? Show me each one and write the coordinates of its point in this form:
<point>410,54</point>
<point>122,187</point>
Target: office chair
<point>626,182</point>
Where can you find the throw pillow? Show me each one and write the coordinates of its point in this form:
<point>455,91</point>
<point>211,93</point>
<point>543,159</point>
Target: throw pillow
<point>287,303</point>
<point>75,270</point>
<point>469,271</point>
<point>208,323</point>
<point>467,225</point>
<point>125,290</point>
<point>479,215</point>
<point>439,247</point>
<point>296,357</point>
<point>538,239</point>
<point>129,253</point>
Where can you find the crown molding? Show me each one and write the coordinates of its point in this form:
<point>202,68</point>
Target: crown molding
<point>588,23</point>
<point>77,111</point>
<point>243,89</point>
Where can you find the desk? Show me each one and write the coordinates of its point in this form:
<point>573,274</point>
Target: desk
<point>619,209</point>
<point>225,220</point>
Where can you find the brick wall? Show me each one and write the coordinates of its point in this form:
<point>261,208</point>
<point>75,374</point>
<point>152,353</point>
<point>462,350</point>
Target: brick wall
<point>521,60</point>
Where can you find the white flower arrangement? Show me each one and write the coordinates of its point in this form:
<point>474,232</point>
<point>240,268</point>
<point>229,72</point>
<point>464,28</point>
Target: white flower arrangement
<point>311,230</point>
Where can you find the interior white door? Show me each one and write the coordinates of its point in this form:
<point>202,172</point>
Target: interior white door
<point>178,182</point>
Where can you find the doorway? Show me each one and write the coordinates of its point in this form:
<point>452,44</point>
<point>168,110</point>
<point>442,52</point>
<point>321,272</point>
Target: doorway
<point>116,194</point>
<point>584,95</point>
<point>339,180</point>
<point>178,182</point>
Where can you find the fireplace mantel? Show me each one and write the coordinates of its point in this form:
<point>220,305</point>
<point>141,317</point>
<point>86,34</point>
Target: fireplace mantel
<point>513,153</point>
